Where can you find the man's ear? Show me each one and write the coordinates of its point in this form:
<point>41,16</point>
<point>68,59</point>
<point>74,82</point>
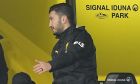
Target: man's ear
<point>64,19</point>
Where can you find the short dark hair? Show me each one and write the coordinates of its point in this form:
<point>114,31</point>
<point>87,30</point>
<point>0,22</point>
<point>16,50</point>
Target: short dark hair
<point>64,9</point>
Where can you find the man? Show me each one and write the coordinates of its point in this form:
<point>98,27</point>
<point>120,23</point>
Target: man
<point>3,66</point>
<point>73,56</point>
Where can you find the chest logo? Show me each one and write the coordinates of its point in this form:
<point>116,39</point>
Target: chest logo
<point>79,43</point>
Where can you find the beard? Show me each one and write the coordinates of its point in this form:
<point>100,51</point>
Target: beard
<point>59,28</point>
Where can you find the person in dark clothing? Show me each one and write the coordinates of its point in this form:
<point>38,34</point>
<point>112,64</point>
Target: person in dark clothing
<point>3,66</point>
<point>74,55</point>
<point>22,78</point>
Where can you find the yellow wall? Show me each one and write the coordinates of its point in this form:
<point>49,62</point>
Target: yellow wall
<point>117,40</point>
<point>30,17</point>
<point>21,53</point>
<point>24,24</point>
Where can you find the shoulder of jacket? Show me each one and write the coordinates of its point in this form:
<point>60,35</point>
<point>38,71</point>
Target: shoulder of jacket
<point>80,31</point>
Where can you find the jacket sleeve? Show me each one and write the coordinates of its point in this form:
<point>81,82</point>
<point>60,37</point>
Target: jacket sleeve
<point>76,50</point>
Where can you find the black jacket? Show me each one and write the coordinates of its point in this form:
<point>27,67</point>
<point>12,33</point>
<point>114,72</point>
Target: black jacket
<point>74,58</point>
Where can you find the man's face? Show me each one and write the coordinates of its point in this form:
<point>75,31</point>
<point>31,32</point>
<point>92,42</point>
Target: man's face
<point>55,22</point>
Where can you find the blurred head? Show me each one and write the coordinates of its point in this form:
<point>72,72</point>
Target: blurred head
<point>61,16</point>
<point>22,78</point>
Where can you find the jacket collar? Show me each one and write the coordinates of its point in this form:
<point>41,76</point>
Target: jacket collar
<point>64,33</point>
